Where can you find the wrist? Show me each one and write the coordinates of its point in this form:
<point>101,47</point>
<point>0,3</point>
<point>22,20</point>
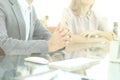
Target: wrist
<point>52,46</point>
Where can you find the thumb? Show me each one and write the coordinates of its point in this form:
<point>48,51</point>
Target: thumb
<point>59,27</point>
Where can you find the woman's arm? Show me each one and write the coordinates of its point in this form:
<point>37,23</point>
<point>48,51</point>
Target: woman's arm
<point>79,42</point>
<point>97,33</point>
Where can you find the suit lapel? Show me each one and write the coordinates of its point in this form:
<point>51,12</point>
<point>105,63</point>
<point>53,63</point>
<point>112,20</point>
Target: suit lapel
<point>20,19</point>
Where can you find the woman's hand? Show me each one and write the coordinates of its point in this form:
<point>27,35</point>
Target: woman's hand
<point>89,34</point>
<point>96,34</point>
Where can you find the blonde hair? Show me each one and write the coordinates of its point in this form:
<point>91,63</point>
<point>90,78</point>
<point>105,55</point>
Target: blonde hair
<point>75,7</point>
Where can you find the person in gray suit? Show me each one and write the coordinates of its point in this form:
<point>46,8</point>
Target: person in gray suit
<point>22,33</point>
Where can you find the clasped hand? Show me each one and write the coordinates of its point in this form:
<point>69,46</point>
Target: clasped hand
<point>61,37</point>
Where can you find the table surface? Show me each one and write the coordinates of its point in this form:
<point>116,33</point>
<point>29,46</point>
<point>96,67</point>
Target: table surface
<point>56,75</point>
<point>74,64</point>
<point>14,67</point>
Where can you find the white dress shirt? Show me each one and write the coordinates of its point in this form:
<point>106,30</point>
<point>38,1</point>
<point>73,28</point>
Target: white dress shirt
<point>26,9</point>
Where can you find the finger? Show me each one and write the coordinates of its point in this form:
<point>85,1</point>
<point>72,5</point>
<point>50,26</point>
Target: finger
<point>67,38</point>
<point>89,36</point>
<point>67,42</point>
<point>59,27</point>
<point>92,34</point>
<point>65,32</point>
<point>85,34</point>
<point>81,34</point>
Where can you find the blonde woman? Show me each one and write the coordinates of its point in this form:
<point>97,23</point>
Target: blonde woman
<point>85,25</point>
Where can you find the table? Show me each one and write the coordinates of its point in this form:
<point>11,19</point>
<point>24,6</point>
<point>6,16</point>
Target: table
<point>74,64</point>
<point>56,75</point>
<point>13,67</point>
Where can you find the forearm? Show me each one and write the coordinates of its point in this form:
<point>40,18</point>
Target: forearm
<point>22,47</point>
<point>108,35</point>
<point>80,39</point>
<point>79,42</point>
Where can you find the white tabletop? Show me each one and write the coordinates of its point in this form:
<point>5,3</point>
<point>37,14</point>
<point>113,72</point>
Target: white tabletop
<point>74,64</point>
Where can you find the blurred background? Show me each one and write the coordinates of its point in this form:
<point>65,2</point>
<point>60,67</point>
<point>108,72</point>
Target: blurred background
<point>49,11</point>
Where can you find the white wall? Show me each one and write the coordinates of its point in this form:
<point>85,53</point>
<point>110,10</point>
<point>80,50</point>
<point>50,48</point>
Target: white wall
<point>52,8</point>
<point>109,8</point>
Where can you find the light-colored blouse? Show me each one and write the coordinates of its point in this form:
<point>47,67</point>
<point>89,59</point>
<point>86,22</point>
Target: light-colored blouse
<point>79,24</point>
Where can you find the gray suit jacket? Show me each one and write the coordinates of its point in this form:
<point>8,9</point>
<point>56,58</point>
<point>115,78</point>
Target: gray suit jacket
<point>12,31</point>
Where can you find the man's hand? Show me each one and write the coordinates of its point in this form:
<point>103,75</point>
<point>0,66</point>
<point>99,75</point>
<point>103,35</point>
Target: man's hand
<point>60,38</point>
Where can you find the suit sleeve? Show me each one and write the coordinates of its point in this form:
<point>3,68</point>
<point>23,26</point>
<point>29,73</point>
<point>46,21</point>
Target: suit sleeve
<point>40,31</point>
<point>21,47</point>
